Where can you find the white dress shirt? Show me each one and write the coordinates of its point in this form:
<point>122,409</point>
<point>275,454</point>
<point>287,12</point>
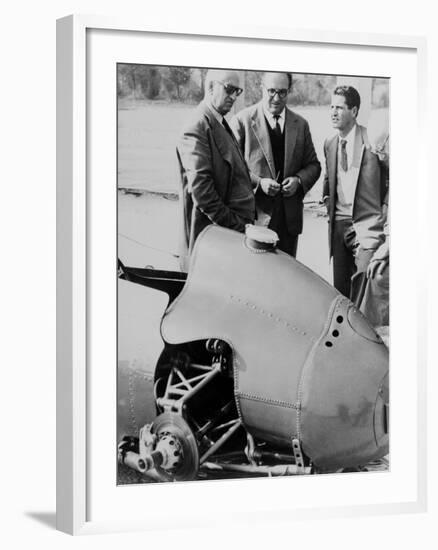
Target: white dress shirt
<point>217,115</point>
<point>272,121</point>
<point>345,186</point>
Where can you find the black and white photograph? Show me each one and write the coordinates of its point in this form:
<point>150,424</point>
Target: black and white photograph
<point>253,273</point>
<point>221,308</point>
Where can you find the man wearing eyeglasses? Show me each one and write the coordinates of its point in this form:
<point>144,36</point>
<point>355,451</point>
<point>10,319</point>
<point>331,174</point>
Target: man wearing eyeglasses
<point>279,151</point>
<point>216,185</point>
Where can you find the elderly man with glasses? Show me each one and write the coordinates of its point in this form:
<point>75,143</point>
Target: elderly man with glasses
<point>216,185</point>
<point>279,151</point>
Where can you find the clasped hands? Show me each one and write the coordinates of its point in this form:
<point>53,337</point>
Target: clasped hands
<point>288,187</point>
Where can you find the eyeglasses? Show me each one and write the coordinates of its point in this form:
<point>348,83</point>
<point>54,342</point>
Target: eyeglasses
<point>229,89</point>
<point>282,92</point>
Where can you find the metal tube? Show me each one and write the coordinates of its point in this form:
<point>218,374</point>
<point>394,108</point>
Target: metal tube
<point>221,440</point>
<point>134,461</point>
<point>184,380</point>
<point>200,367</point>
<point>222,426</point>
<point>204,429</point>
<point>145,467</point>
<point>201,384</point>
<point>278,470</point>
<point>175,391</point>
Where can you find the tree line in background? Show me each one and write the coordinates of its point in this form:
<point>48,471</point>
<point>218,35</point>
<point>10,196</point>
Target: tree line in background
<point>184,84</point>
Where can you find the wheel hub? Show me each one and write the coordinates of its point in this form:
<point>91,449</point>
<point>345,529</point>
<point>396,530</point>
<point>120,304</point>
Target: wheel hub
<point>178,447</point>
<point>171,450</point>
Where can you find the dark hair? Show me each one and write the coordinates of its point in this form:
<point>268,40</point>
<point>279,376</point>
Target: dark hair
<point>351,95</point>
<point>289,78</point>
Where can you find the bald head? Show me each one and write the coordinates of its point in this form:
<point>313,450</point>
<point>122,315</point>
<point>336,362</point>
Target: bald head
<point>276,87</point>
<point>221,89</point>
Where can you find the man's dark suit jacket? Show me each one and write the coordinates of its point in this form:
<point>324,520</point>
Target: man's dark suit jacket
<point>251,131</point>
<point>367,203</point>
<point>216,186</point>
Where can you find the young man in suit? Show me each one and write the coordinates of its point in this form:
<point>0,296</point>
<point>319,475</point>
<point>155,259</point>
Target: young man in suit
<point>352,193</point>
<point>216,186</point>
<point>279,151</point>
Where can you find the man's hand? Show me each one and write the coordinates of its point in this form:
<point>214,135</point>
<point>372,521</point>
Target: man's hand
<point>290,186</point>
<point>379,261</point>
<point>376,268</point>
<point>270,187</point>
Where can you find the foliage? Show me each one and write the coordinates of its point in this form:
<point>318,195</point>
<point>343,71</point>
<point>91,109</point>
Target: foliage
<point>138,81</point>
<point>310,89</point>
<point>185,84</point>
<point>252,86</point>
<point>180,77</point>
<point>380,92</point>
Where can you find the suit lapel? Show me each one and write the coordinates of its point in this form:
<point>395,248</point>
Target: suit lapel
<point>222,140</point>
<point>219,135</point>
<point>260,130</point>
<point>290,139</point>
<point>358,151</point>
<point>332,164</point>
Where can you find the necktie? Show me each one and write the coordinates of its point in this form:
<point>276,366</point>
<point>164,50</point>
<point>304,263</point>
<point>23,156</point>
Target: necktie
<point>344,160</point>
<point>227,128</point>
<point>277,129</point>
<point>230,131</point>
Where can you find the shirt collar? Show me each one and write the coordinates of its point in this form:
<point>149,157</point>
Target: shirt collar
<point>270,117</point>
<point>350,136</point>
<point>215,113</point>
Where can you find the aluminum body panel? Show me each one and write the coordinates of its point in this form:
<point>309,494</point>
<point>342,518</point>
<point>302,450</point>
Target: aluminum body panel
<point>278,315</point>
<point>340,392</point>
<point>268,307</point>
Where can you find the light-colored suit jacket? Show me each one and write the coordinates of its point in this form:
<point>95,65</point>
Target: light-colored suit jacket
<point>251,130</point>
<point>215,182</point>
<point>367,202</point>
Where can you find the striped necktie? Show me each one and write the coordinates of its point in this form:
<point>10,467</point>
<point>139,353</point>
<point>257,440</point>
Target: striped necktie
<point>344,160</point>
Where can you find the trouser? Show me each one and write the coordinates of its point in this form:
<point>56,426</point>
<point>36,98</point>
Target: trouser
<point>287,242</point>
<point>349,261</point>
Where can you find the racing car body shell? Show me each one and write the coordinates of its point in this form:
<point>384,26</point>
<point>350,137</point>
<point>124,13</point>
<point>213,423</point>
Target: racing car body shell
<point>306,364</point>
